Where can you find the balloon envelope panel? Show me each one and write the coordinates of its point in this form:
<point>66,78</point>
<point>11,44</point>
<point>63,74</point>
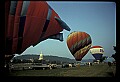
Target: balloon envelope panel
<point>79,44</point>
<point>97,56</point>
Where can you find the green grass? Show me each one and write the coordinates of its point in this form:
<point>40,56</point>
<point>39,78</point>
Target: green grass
<point>96,70</point>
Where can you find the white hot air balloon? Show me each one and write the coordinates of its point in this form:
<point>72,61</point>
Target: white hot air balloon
<point>97,52</point>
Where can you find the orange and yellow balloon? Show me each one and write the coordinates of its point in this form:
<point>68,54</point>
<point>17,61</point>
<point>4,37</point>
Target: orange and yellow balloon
<point>79,43</point>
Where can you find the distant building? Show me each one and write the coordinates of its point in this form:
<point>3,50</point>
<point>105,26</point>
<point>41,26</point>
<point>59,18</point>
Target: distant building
<point>41,56</point>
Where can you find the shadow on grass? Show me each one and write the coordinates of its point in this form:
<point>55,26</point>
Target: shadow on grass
<point>111,74</point>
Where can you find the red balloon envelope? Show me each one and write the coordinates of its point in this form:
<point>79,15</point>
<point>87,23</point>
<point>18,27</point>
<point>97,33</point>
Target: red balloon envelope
<point>30,22</point>
<point>79,44</point>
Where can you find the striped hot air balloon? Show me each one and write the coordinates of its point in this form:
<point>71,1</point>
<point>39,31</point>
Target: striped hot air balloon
<point>79,44</point>
<point>97,52</point>
<point>30,22</point>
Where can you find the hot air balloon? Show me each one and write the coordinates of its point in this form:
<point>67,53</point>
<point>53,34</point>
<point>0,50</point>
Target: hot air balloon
<point>79,44</point>
<point>30,22</point>
<point>27,23</point>
<point>97,52</point>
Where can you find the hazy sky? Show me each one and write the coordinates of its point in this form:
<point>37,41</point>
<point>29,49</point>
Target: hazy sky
<point>95,18</point>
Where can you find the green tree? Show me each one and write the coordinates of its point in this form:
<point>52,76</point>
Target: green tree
<point>103,58</point>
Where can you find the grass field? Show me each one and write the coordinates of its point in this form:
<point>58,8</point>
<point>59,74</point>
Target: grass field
<point>96,70</point>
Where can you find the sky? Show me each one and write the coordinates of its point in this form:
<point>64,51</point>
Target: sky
<point>98,19</point>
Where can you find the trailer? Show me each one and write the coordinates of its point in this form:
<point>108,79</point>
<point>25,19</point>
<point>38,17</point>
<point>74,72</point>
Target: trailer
<point>43,66</point>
